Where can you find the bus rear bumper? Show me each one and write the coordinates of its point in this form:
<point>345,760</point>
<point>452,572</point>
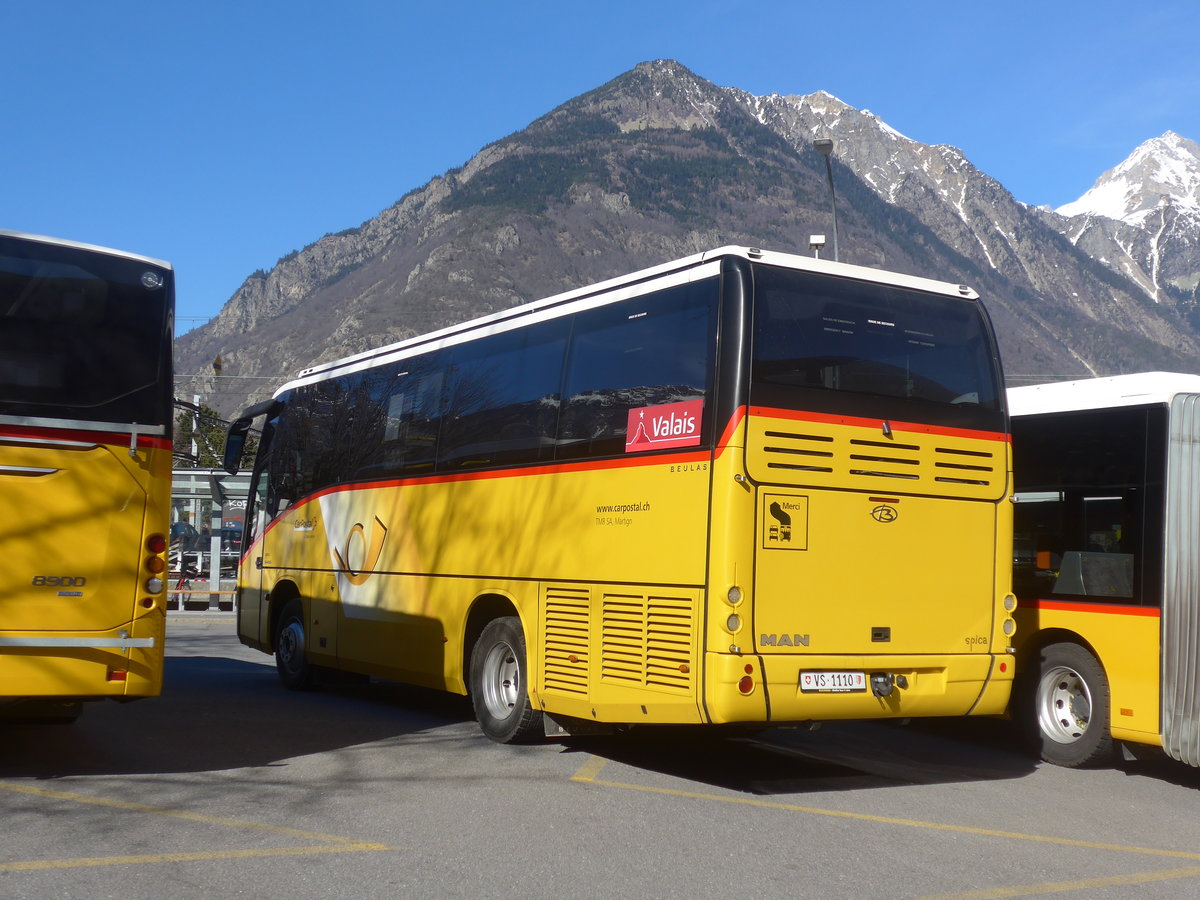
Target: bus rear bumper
<point>80,666</point>
<point>758,688</point>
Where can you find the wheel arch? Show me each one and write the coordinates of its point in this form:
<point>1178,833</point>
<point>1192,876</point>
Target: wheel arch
<point>1046,637</point>
<point>283,593</point>
<point>485,608</point>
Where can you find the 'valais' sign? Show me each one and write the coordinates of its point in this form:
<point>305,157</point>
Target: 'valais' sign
<point>668,425</point>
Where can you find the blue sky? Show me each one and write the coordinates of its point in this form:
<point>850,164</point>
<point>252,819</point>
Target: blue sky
<point>223,135</point>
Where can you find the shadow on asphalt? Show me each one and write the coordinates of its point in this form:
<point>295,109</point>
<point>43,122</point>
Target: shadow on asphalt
<point>840,756</point>
<point>218,713</point>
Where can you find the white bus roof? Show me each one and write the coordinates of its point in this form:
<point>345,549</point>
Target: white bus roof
<point>1140,389</point>
<point>623,285</point>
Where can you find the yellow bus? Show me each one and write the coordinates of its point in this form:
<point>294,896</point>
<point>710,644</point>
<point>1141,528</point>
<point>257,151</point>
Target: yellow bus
<point>1106,565</point>
<point>85,472</point>
<point>740,488</point>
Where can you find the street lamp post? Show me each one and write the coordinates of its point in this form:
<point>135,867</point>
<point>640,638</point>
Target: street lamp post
<point>824,146</point>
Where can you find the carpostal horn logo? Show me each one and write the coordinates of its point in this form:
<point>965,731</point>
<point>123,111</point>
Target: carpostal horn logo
<point>357,560</point>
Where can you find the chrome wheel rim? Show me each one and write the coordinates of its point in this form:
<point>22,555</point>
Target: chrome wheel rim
<point>1064,705</point>
<point>501,680</point>
<point>290,651</point>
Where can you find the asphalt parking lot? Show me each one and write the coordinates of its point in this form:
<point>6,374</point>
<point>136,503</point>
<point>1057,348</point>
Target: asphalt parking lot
<point>229,786</point>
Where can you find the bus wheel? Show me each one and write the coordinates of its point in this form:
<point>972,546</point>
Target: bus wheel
<point>1071,708</point>
<point>290,642</point>
<point>499,688</point>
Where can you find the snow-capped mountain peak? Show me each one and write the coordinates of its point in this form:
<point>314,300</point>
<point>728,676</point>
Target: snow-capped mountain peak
<point>1164,171</point>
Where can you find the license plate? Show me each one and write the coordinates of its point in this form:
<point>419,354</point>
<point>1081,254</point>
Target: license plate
<point>832,682</point>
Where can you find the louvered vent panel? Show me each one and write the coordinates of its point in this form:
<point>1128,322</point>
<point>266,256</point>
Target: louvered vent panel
<point>669,642</point>
<point>648,641</point>
<point>566,640</point>
<point>910,462</point>
<point>971,467</point>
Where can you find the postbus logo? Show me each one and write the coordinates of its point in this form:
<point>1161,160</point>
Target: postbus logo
<point>356,561</point>
<point>666,425</point>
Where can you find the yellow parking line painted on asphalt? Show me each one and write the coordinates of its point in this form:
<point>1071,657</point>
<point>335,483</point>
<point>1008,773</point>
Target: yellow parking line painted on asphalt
<point>330,843</point>
<point>589,770</point>
<point>1082,884</point>
<point>203,855</point>
<point>172,813</point>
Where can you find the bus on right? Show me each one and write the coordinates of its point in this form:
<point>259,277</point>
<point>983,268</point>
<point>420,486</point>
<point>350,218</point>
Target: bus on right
<point>1106,565</point>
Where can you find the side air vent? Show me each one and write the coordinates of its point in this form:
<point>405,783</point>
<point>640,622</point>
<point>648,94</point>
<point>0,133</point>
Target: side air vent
<point>566,640</point>
<point>647,641</point>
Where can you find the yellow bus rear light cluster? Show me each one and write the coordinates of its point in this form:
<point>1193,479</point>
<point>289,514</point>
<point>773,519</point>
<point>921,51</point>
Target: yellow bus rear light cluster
<point>746,682</point>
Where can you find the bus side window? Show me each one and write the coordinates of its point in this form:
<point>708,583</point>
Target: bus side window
<point>502,399</point>
<point>646,351</point>
<point>413,415</point>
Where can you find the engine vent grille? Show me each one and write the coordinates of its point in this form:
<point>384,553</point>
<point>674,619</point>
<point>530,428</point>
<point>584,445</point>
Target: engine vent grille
<point>648,641</point>
<point>566,640</point>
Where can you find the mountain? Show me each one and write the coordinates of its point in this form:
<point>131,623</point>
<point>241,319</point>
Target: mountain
<point>660,163</point>
<point>1142,219</point>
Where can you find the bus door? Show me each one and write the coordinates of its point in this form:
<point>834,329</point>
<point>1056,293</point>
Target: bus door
<point>253,615</point>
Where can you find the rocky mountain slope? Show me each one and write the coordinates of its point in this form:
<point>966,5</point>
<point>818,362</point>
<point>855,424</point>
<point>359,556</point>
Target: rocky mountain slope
<point>660,163</point>
<point>1142,219</point>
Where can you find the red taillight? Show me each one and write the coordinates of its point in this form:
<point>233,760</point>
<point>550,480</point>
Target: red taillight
<point>156,543</point>
<point>746,685</point>
<point>116,675</point>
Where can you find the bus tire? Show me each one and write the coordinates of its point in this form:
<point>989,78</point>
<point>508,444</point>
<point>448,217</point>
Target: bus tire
<point>499,684</point>
<point>291,643</point>
<point>1069,705</point>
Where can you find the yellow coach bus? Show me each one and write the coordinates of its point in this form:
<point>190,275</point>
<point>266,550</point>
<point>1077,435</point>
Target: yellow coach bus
<point>85,472</point>
<point>743,487</point>
<point>1107,565</point>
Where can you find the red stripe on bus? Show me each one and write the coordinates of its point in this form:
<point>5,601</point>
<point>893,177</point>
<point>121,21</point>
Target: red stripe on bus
<point>113,438</point>
<point>1082,606</point>
<point>899,426</point>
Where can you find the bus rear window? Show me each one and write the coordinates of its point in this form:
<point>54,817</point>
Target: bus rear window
<point>80,343</point>
<point>883,350</point>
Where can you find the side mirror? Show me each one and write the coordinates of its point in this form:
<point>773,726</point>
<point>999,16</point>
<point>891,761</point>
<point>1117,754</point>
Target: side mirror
<point>235,443</point>
<point>235,440</point>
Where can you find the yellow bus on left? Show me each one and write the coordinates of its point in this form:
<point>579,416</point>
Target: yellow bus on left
<point>85,473</point>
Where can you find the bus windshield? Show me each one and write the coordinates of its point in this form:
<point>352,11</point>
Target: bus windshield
<point>83,336</point>
<point>838,345</point>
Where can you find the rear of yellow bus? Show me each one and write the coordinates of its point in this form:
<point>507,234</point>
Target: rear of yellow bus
<point>870,463</point>
<point>85,473</point>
